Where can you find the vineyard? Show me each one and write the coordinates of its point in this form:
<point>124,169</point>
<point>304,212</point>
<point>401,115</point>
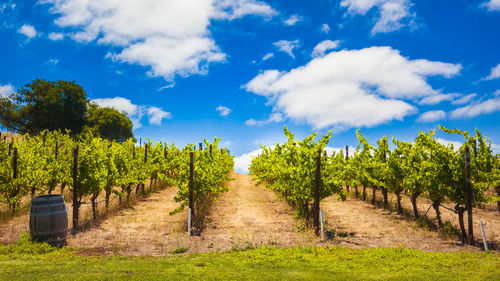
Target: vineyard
<point>303,173</point>
<point>89,166</point>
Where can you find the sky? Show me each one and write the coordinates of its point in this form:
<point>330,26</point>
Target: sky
<point>184,70</point>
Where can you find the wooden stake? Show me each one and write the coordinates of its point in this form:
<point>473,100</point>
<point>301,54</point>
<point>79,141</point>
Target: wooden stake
<point>145,153</point>
<point>76,204</point>
<point>191,184</point>
<point>14,165</point>
<point>347,160</point>
<point>317,194</point>
<point>469,195</point>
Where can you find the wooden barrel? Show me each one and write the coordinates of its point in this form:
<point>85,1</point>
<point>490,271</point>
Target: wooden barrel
<point>49,220</point>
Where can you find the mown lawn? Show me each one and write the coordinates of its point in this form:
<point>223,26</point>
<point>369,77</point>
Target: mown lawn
<point>28,262</point>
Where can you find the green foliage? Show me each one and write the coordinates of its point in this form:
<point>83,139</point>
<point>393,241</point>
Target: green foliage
<point>290,169</point>
<point>109,123</point>
<point>45,105</point>
<point>24,246</point>
<point>264,263</point>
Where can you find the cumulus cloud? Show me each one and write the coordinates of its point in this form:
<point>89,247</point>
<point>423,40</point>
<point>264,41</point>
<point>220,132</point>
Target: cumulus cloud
<point>287,46</point>
<point>28,31</point>
<point>320,49</point>
<point>431,116</point>
<point>350,88</point>
<point>492,5</point>
<point>464,99</point>
<point>275,117</point>
<point>325,28</point>
<point>134,111</point>
<point>470,111</point>
<point>495,73</point>
<point>156,115</point>
<point>56,36</point>
<point>223,111</point>
<point>242,162</point>
<point>292,20</point>
<point>6,90</point>
<point>172,39</point>
<point>392,14</point>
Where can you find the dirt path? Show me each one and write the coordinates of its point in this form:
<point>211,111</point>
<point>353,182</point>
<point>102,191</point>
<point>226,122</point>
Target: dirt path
<point>144,229</point>
<point>250,215</point>
<point>362,225</point>
<point>245,216</point>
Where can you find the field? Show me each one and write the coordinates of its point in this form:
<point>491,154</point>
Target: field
<point>264,263</point>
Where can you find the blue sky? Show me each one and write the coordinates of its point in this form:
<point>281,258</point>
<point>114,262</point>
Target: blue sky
<point>241,69</point>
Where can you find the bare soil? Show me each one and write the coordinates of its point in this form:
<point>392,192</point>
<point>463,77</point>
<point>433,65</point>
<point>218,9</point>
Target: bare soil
<point>249,216</point>
<point>245,216</point>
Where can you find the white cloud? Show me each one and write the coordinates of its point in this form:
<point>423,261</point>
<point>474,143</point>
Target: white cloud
<point>320,49</point>
<point>445,142</point>
<point>350,88</point>
<point>454,98</point>
<point>496,93</point>
<point>492,5</point>
<point>470,111</point>
<point>393,14</point>
<point>274,117</point>
<point>27,30</point>
<point>223,111</point>
<point>56,36</point>
<point>234,9</point>
<point>6,90</point>
<point>464,99</point>
<point>287,46</point>
<point>135,112</point>
<point>169,37</point>
<point>242,162</point>
<point>293,20</point>
<point>495,73</point>
<point>325,28</point>
<point>435,99</point>
<point>156,115</point>
<point>267,56</point>
<point>431,116</point>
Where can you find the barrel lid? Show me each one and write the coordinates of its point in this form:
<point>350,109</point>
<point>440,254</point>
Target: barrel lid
<point>44,198</point>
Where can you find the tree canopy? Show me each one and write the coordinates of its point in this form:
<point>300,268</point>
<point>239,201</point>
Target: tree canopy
<point>61,105</point>
<point>109,123</point>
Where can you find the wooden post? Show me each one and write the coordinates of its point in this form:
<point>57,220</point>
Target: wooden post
<point>145,153</point>
<point>210,149</point>
<point>14,164</point>
<point>317,194</point>
<point>347,160</point>
<point>76,204</point>
<point>10,148</point>
<point>191,185</point>
<point>165,152</point>
<point>140,141</point>
<point>56,150</point>
<point>201,146</point>
<point>469,195</point>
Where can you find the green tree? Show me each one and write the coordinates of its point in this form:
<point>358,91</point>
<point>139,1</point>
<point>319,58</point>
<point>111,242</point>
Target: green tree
<point>109,123</point>
<point>42,104</point>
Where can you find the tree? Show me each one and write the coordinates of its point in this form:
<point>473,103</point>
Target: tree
<point>109,123</point>
<point>42,104</point>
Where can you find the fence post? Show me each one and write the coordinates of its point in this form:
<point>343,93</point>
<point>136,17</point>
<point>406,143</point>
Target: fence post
<point>469,195</point>
<point>191,185</point>
<point>317,193</point>
<point>201,146</point>
<point>145,153</point>
<point>76,204</point>
<point>347,160</point>
<point>14,164</point>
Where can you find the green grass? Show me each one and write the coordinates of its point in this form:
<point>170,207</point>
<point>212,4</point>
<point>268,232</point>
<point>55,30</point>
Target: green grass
<point>27,261</point>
